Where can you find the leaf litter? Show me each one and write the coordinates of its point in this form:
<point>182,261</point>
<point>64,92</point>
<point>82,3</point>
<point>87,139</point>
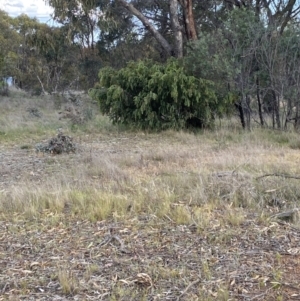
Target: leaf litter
<point>131,260</point>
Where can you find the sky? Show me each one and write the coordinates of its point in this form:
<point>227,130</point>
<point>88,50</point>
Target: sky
<point>32,8</point>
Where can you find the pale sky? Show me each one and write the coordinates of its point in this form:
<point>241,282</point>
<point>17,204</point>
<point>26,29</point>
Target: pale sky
<point>32,8</point>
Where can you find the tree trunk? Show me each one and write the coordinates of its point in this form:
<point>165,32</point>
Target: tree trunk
<point>296,124</point>
<point>188,19</point>
<point>259,103</point>
<point>276,106</point>
<point>247,110</point>
<point>289,113</point>
<point>161,40</point>
<point>42,86</point>
<point>239,107</point>
<point>176,28</point>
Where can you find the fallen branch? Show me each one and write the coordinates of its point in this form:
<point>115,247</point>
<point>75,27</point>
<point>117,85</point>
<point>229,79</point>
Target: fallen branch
<point>187,288</point>
<point>291,215</point>
<point>224,174</point>
<point>110,238</point>
<point>291,286</point>
<point>279,175</point>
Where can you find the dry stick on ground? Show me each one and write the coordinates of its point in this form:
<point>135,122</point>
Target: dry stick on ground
<point>279,175</point>
<point>290,286</point>
<point>288,225</point>
<point>290,215</point>
<point>187,288</point>
<point>223,174</point>
<point>110,238</point>
<point>257,296</point>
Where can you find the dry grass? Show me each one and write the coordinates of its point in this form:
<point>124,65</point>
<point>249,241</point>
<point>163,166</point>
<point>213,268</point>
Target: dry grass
<point>141,216</point>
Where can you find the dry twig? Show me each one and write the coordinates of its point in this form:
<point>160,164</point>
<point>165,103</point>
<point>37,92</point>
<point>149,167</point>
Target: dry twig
<point>278,175</point>
<point>188,287</point>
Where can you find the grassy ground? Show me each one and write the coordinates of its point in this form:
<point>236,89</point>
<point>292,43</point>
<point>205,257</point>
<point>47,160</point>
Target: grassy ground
<point>144,216</point>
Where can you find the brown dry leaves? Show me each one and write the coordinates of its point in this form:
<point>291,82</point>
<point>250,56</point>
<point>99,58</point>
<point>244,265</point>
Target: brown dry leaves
<point>59,258</point>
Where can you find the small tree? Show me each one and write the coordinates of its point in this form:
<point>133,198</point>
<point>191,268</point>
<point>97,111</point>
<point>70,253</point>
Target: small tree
<point>227,57</point>
<point>155,96</point>
<point>211,58</point>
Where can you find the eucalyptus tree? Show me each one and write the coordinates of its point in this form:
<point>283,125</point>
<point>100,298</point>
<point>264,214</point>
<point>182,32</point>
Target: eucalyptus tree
<point>163,19</point>
<point>279,59</point>
<point>57,58</point>
<point>9,45</point>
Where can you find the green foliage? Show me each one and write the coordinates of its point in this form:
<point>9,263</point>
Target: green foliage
<point>211,58</point>
<point>155,96</point>
<point>9,42</point>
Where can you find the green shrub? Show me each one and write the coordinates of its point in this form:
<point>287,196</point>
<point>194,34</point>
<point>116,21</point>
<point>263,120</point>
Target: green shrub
<point>155,96</point>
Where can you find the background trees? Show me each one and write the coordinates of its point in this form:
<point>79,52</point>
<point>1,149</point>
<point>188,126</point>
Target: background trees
<point>248,50</point>
<point>37,57</point>
<point>9,44</point>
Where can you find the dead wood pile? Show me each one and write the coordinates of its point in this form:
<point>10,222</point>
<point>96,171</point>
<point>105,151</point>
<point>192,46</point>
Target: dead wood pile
<point>57,145</point>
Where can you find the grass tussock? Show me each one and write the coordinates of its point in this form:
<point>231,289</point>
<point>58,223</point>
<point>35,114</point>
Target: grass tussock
<point>69,285</point>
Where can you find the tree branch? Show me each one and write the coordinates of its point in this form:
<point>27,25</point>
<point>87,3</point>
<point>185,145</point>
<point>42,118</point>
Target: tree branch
<point>162,41</point>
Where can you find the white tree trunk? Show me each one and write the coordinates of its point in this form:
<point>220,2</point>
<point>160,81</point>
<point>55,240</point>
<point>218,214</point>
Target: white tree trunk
<point>176,28</point>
